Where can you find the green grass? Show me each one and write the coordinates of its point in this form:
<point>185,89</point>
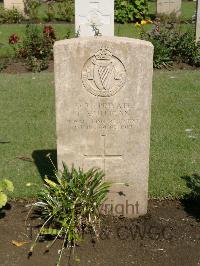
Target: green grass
<point>188,9</point>
<point>128,30</point>
<point>6,30</point>
<point>28,125</point>
<point>174,151</point>
<point>125,30</point>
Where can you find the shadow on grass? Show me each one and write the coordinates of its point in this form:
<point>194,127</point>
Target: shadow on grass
<point>191,202</point>
<point>43,163</point>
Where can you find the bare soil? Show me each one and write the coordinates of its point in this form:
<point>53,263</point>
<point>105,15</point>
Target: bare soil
<point>168,235</point>
<point>18,67</point>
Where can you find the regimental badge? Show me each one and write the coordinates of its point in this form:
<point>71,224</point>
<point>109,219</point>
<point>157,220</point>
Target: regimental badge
<point>103,74</point>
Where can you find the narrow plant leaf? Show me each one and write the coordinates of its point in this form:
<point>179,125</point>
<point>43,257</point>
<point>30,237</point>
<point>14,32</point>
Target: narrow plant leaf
<point>19,244</point>
<point>3,199</point>
<point>70,205</point>
<point>50,183</point>
<point>49,231</point>
<point>9,185</point>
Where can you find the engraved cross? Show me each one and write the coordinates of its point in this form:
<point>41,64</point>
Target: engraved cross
<point>104,156</point>
<point>95,16</point>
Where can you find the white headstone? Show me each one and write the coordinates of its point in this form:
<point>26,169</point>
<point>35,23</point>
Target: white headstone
<point>103,114</point>
<point>168,7</point>
<point>18,4</point>
<point>198,22</point>
<point>94,12</point>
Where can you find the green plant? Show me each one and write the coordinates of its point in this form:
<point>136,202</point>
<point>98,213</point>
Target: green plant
<point>171,44</point>
<point>162,53</point>
<point>2,14</point>
<point>14,16</point>
<point>36,65</point>
<point>32,7</point>
<point>123,11</point>
<point>67,35</point>
<point>69,205</point>
<point>50,13</point>
<point>193,183</point>
<point>96,30</point>
<point>36,47</point>
<point>5,185</point>
<point>66,11</point>
<point>169,19</point>
<point>130,10</point>
<point>10,15</point>
<point>187,50</point>
<point>162,56</point>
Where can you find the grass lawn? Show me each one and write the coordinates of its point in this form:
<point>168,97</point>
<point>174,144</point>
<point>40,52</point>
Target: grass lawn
<point>7,29</point>
<point>27,122</point>
<point>175,138</point>
<point>124,30</point>
<point>128,30</point>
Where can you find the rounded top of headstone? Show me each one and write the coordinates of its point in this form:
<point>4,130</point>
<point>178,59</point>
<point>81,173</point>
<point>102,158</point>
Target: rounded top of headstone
<point>120,40</point>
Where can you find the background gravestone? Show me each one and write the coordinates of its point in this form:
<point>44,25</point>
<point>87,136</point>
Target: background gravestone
<point>18,4</point>
<point>99,12</point>
<point>103,103</point>
<point>168,7</point>
<point>198,22</point>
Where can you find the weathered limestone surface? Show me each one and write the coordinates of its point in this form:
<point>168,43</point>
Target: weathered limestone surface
<point>99,13</point>
<point>103,107</point>
<point>18,4</point>
<point>169,6</point>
